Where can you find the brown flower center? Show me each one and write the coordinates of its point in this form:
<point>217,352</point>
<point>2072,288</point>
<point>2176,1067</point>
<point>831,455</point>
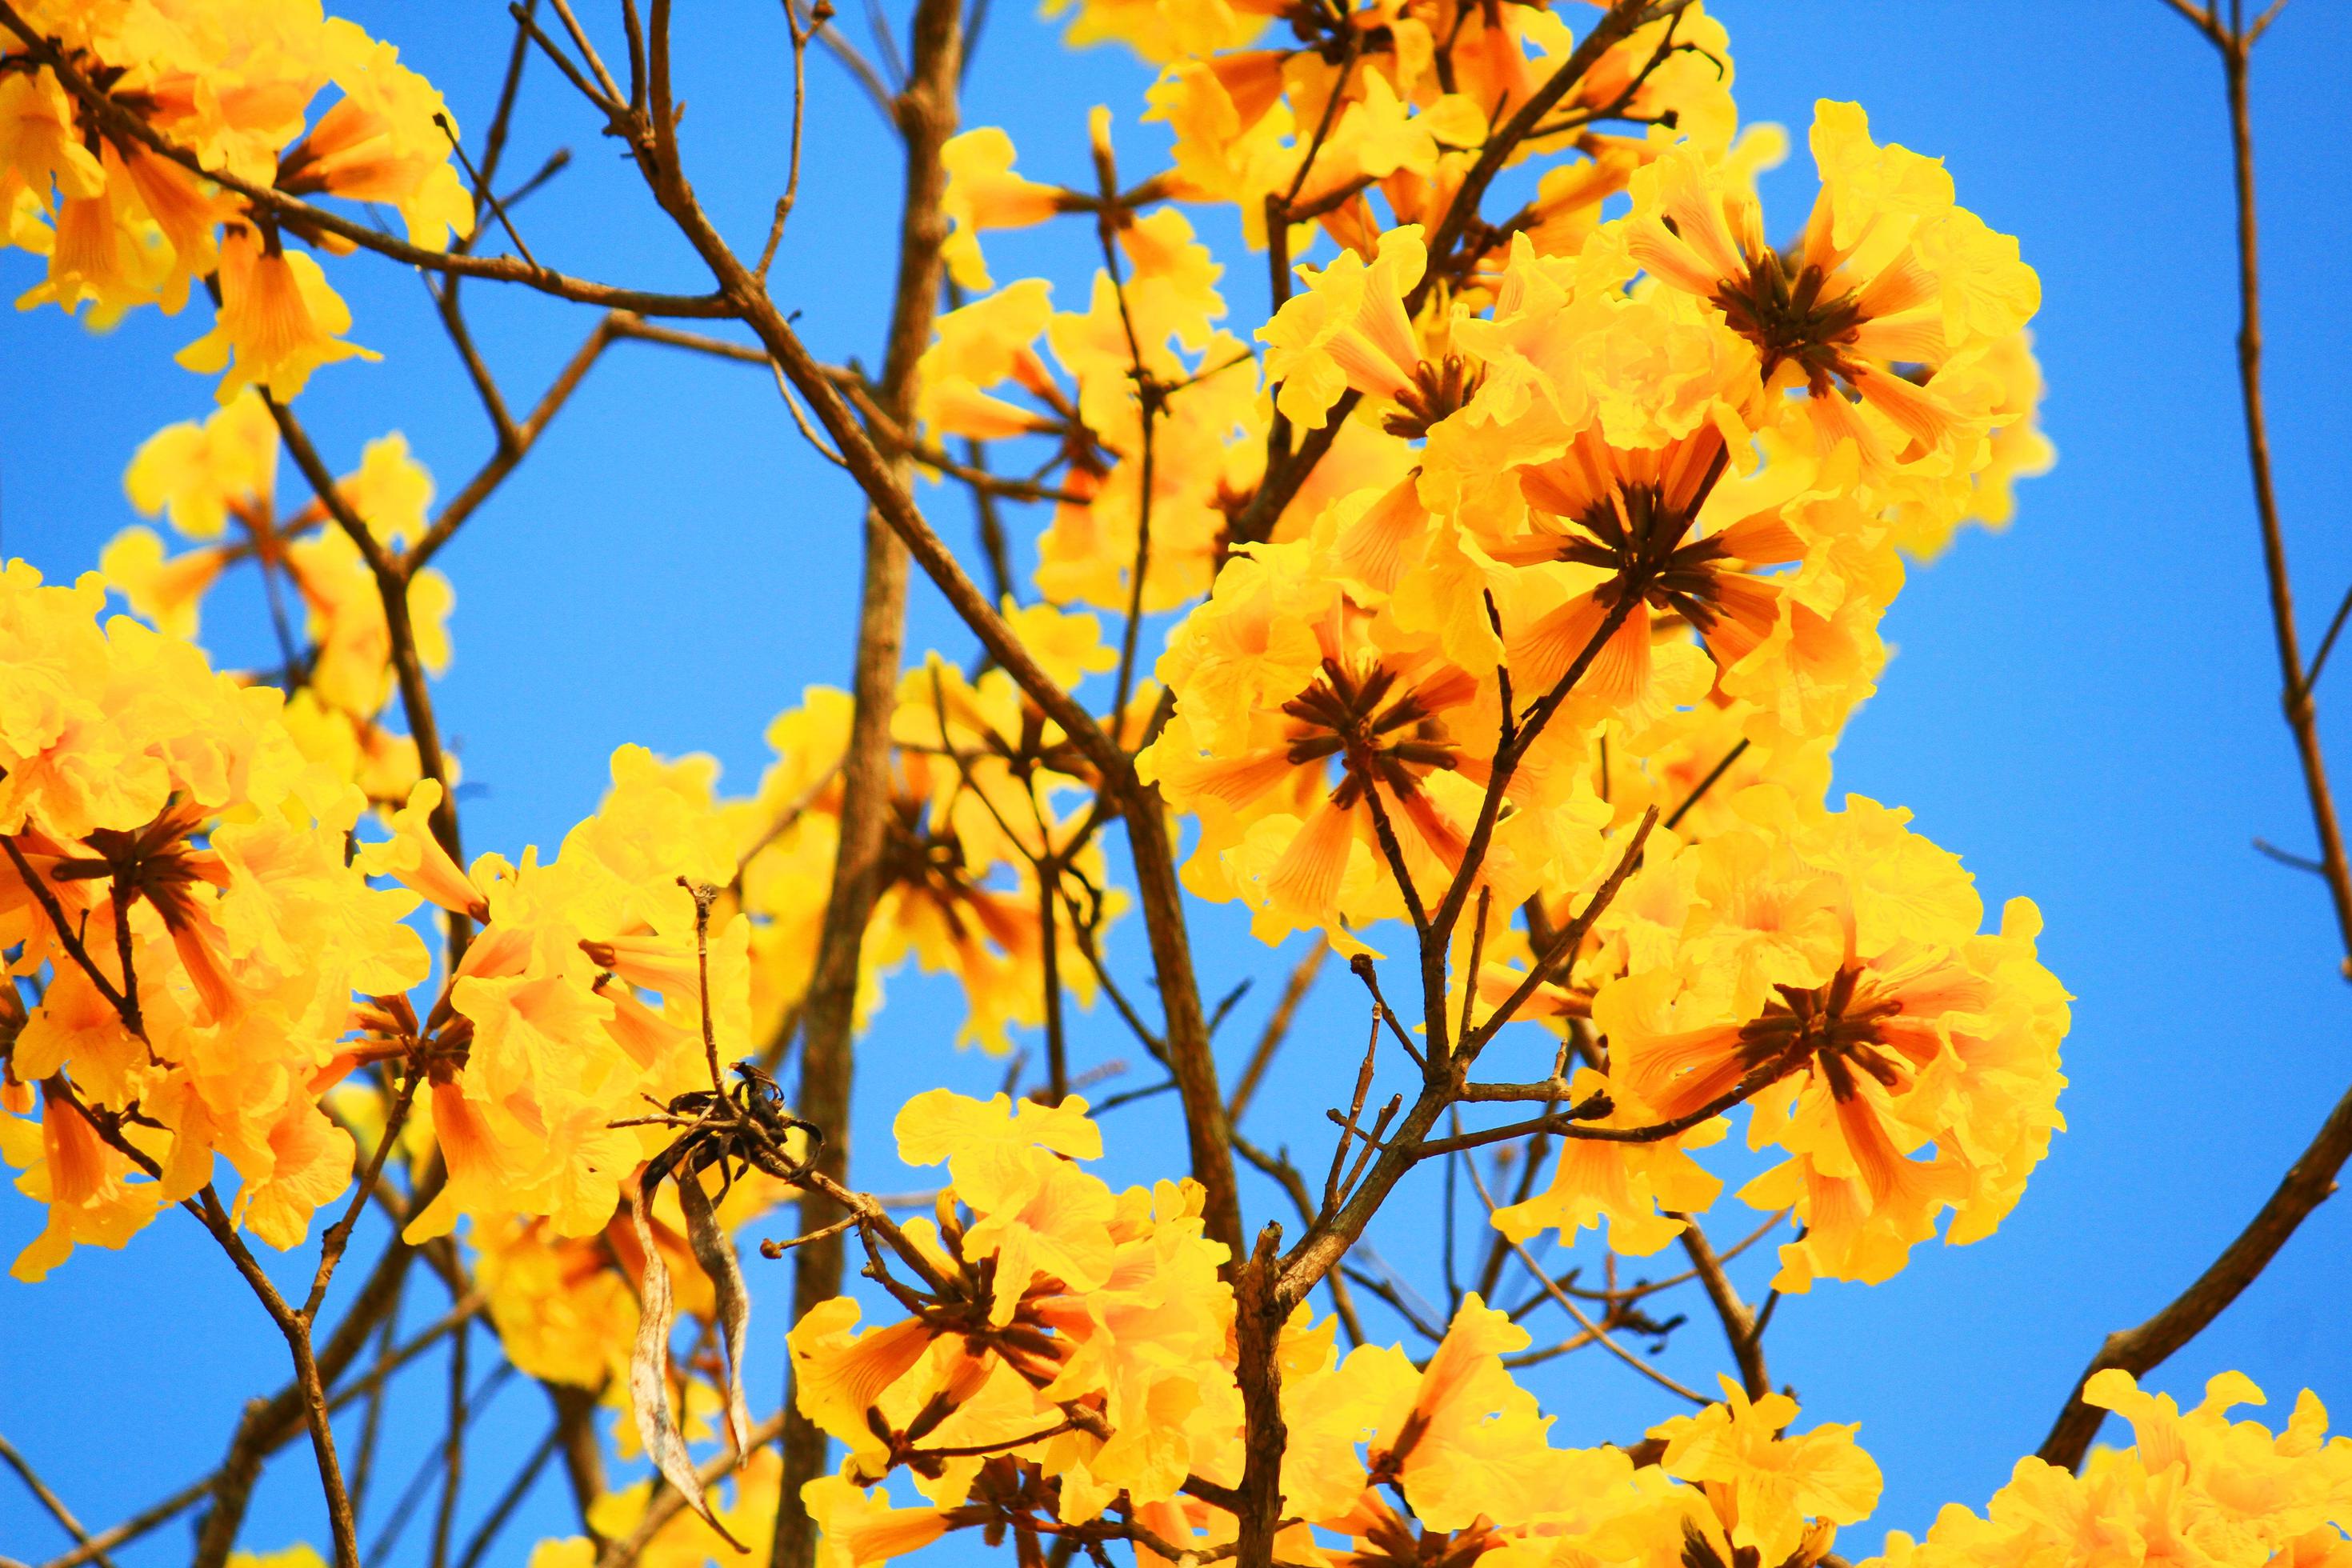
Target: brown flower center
<point>1637,534</point>
<point>1792,318</point>
<point>1833,1030</point>
<point>1373,729</point>
<point>1437,390</point>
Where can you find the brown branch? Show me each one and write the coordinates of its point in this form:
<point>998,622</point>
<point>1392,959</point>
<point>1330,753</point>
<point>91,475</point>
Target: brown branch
<point>1738,1322</point>
<point>1568,1304</point>
<point>893,433</point>
<point>1571,1123</point>
<point>1445,1072</point>
<point>50,1501</point>
<point>1156,882</point>
<point>1287,1176</point>
<point>1348,1128</point>
<point>1259,1311</point>
<point>268,1425</point>
<point>1363,969</point>
<point>296,1328</point>
<point>392,578</point>
<point>94,1550</point>
<point>515,443</point>
<point>2307,1183</point>
<point>2310,1180</point>
<point>926,116</point>
<point>784,202</point>
<point>125,1007</point>
<point>1157,888</point>
<point>1713,776</point>
<point>1278,1026</point>
<point>2301,715</point>
<point>611,90</point>
<point>511,1499</point>
<point>339,1235</point>
<point>1563,949</point>
<point>625,325</point>
<point>584,1454</point>
<point>453,1449</point>
<point>1532,1159</point>
<point>494,141</point>
<point>1150,401</point>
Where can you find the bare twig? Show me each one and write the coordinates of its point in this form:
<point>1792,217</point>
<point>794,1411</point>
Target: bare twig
<point>486,1532</point>
<point>1738,1324</point>
<point>94,1550</point>
<point>50,1501</point>
<point>2310,1180</point>
<point>2307,1183</point>
<point>1278,1026</point>
<point>1567,1304</point>
<point>392,579</point>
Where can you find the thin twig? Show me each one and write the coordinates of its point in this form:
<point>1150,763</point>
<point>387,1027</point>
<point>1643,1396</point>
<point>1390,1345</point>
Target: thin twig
<point>117,119</point>
<point>2312,1178</point>
<point>926,115</point>
<point>1568,1304</point>
<point>1738,1324</point>
<point>94,1550</point>
<point>453,1451</point>
<point>50,1501</point>
<point>1278,1026</point>
<point>511,1499</point>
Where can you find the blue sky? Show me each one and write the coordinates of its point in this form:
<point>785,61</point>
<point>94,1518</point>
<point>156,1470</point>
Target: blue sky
<point>2085,709</point>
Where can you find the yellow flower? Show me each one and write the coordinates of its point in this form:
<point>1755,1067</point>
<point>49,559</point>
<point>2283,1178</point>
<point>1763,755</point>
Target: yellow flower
<point>1835,961</point>
<point>860,1530</point>
<point>39,145</point>
<point>1632,1186</point>
<point>1348,332</point>
<point>1053,1295</point>
<point>1163,30</point>
<point>387,139</point>
<point>174,819</point>
<point>198,475</point>
<point>1889,273</point>
<point>978,346</point>
<point>1637,516</point>
<point>299,1555</point>
<point>1280,677</point>
<point>1769,1491</point>
<point>279,319</point>
<point>1467,1441</point>
<point>2197,1486</point>
<point>983,192</point>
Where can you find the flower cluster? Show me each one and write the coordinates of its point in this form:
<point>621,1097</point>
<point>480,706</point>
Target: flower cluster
<point>176,867</point>
<point>126,129</point>
<point>215,482</point>
<point>1067,1348</point>
<point>1611,510</point>
<point>1828,967</point>
<point>1522,572</point>
<point>2196,1488</point>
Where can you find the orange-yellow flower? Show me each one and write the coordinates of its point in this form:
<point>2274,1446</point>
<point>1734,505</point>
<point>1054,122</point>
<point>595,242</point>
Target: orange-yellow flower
<point>279,319</point>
